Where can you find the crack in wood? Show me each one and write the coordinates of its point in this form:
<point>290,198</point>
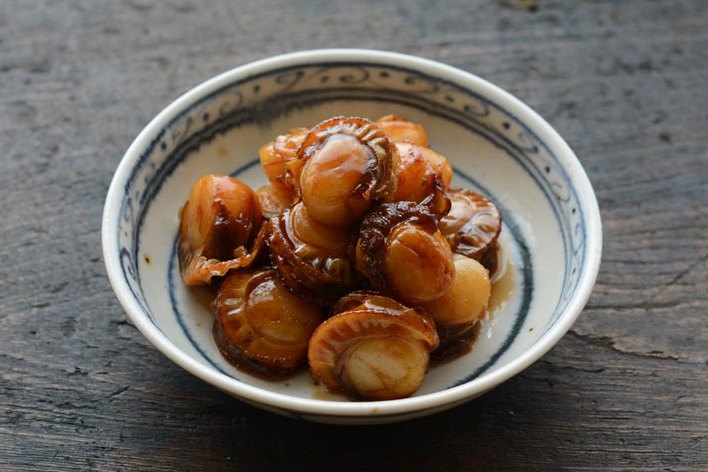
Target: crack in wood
<point>609,343</point>
<point>118,392</point>
<point>681,274</point>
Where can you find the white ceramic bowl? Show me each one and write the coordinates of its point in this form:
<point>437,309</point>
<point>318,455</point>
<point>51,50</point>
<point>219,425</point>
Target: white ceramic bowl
<point>496,144</point>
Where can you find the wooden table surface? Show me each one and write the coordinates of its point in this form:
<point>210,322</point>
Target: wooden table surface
<point>626,83</point>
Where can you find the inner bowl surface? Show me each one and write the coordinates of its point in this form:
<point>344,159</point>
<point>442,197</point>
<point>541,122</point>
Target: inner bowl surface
<point>496,145</point>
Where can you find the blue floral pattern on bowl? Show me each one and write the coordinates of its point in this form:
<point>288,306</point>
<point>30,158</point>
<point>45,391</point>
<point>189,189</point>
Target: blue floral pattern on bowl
<point>303,86</point>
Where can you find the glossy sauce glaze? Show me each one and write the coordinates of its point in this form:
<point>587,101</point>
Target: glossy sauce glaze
<point>502,290</point>
<point>357,260</point>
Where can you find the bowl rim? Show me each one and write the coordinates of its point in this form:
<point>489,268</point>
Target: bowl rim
<point>416,404</point>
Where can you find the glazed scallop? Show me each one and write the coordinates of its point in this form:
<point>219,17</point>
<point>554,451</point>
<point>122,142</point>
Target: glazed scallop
<point>459,310</point>
<point>420,170</point>
<point>472,225</point>
<point>277,156</point>
<point>376,349</point>
<point>261,326</point>
<point>311,258</point>
<point>348,165</point>
<point>402,253</point>
<point>274,199</point>
<point>399,130</point>
<point>219,229</point>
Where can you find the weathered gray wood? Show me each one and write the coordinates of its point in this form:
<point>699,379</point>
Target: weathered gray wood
<point>624,82</point>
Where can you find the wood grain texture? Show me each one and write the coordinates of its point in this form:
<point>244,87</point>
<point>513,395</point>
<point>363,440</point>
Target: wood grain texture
<point>623,82</point>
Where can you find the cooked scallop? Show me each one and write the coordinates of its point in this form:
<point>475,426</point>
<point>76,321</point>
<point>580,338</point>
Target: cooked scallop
<point>276,158</point>
<point>402,253</point>
<point>419,171</point>
<point>377,349</point>
<point>220,229</point>
<point>274,199</point>
<point>472,225</point>
<point>311,258</point>
<point>464,305</point>
<point>400,130</point>
<point>261,326</point>
<point>348,164</point>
